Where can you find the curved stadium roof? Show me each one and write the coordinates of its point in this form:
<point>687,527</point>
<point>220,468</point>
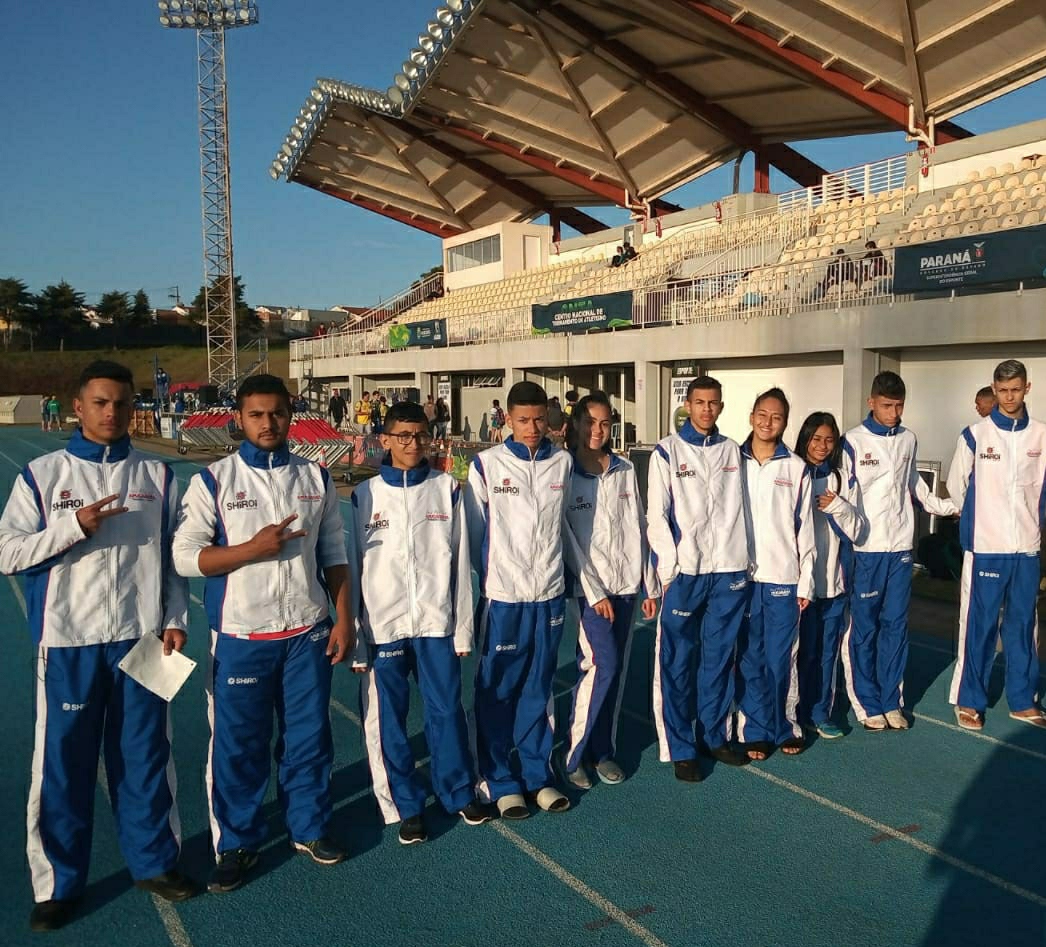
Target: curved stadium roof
<point>508,109</point>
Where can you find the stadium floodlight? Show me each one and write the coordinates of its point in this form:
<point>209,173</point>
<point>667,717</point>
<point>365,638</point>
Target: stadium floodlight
<point>425,42</point>
<point>455,6</point>
<point>296,132</point>
<point>401,81</point>
<point>318,95</point>
<point>434,30</point>
<point>300,122</point>
<point>287,149</point>
<point>419,57</point>
<point>410,69</point>
<point>445,16</point>
<point>210,19</point>
<point>395,94</point>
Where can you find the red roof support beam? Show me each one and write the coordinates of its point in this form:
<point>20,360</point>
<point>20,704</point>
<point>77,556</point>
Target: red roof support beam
<point>878,102</point>
<point>426,224</point>
<point>786,159</point>
<point>761,184</point>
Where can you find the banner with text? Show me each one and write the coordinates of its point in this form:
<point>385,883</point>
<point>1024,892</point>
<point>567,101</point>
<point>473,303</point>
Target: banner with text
<point>427,334</point>
<point>1001,257</point>
<point>605,311</point>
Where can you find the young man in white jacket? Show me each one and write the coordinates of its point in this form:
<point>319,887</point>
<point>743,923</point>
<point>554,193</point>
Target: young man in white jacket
<point>880,460</point>
<point>998,478</point>
<point>518,536</point>
<point>605,512</point>
<point>697,534</point>
<point>88,528</point>
<point>779,513</point>
<point>409,547</point>
<point>263,526</point>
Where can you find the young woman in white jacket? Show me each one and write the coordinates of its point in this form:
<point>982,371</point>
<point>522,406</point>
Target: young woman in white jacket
<point>837,525</point>
<point>606,516</point>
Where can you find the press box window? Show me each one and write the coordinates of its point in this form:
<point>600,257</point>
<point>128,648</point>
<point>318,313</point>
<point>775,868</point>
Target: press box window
<point>477,253</point>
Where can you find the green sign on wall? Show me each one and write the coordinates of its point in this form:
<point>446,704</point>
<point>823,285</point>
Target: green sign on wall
<point>605,311</point>
<point>427,334</point>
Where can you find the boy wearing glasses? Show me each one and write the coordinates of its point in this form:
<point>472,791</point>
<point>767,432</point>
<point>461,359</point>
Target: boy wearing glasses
<point>409,549</point>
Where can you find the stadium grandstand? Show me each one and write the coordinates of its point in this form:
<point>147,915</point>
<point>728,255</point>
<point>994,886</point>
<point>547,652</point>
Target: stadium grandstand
<point>511,117</point>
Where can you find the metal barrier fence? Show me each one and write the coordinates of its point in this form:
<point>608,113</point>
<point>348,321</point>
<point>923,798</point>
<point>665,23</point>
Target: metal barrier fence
<point>876,177</point>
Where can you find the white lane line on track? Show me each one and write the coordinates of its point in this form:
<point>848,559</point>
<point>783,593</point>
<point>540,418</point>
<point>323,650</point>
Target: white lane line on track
<point>1016,748</point>
<point>172,923</point>
<point>880,827</point>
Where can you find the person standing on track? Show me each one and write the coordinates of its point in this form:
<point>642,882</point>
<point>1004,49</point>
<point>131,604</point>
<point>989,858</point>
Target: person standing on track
<point>410,552</point>
<point>263,526</point>
<point>998,478</point>
<point>605,512</point>
<point>88,529</point>
<point>697,533</point>
<point>837,526</point>
<point>779,517</point>
<point>880,456</point>
<point>517,535</point>
<point>54,413</point>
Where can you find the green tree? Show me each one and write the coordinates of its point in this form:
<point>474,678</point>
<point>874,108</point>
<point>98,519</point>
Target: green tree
<point>115,307</point>
<point>141,310</point>
<point>15,302</point>
<point>247,321</point>
<point>56,312</point>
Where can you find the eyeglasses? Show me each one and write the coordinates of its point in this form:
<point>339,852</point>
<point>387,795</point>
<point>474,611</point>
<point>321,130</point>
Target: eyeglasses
<point>405,437</point>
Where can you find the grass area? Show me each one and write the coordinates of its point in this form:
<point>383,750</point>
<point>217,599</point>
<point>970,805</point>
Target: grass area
<point>57,372</point>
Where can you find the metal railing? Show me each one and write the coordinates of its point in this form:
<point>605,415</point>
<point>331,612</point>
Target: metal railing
<point>877,177</point>
<point>412,296</point>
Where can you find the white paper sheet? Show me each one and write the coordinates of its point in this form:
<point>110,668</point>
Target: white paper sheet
<point>163,674</point>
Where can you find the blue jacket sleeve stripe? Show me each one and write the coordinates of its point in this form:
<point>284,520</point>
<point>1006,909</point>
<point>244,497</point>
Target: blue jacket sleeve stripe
<point>215,586</point>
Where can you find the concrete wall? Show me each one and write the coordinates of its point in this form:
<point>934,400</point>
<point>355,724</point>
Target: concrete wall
<point>512,261</point>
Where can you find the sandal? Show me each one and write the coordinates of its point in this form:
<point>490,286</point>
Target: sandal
<point>551,799</point>
<point>793,747</point>
<point>513,806</point>
<point>758,750</point>
<point>969,719</point>
<point>1037,719</point>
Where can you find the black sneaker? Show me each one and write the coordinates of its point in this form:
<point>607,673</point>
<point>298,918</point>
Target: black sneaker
<point>323,850</point>
<point>730,756</point>
<point>171,886</point>
<point>231,869</point>
<point>688,771</point>
<point>51,915</point>
<point>412,831</point>
<point>476,812</point>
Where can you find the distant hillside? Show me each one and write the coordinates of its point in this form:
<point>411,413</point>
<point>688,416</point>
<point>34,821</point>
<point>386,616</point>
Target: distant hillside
<point>56,372</point>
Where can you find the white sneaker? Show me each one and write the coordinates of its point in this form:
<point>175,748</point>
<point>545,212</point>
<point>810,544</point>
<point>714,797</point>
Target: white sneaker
<point>896,719</point>
<point>876,723</point>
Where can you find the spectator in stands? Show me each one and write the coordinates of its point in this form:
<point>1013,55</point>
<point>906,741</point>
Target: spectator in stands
<point>618,258</point>
<point>628,252</point>
<point>179,403</point>
<point>321,330</point>
<point>336,409</point>
<point>873,263</point>
<point>984,401</point>
<point>430,415</point>
<point>571,397</point>
<point>838,272</point>
<point>54,413</point>
<point>497,422</point>
<point>362,410</point>
<point>557,422</point>
<point>442,420</point>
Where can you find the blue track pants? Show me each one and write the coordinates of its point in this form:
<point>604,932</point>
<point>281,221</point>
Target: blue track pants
<point>694,661</point>
<point>250,680</point>
<point>385,702</point>
<point>875,646</point>
<point>992,584</point>
<point>767,676</point>
<point>519,643</point>
<point>86,704</point>
<point>602,664</point>
<point>821,629</point>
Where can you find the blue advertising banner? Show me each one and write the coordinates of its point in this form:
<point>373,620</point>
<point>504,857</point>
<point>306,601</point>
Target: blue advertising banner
<point>605,311</point>
<point>428,334</point>
<point>1001,257</point>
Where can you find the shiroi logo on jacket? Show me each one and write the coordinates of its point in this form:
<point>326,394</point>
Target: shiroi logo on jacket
<point>989,453</point>
<point>579,504</point>
<point>683,472</point>
<point>506,487</point>
<point>869,461</point>
<point>376,522</point>
<point>66,501</point>
<point>241,502</point>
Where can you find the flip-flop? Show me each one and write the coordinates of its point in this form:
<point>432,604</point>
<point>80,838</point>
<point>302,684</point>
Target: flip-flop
<point>793,747</point>
<point>758,746</point>
<point>969,719</point>
<point>1036,719</point>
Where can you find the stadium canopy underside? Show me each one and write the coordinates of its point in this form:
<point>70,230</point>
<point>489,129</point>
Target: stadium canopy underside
<point>510,109</point>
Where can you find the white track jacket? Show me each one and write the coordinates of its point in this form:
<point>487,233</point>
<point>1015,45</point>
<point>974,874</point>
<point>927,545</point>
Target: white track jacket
<point>779,513</point>
<point>115,585</point>
<point>606,515</point>
<point>695,506</point>
<point>836,529</point>
<point>882,462</point>
<point>227,504</point>
<point>410,557</point>
<point>519,535</point>
<point>998,478</point>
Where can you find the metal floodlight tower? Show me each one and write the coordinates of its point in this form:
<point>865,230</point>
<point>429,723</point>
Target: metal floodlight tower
<point>210,19</point>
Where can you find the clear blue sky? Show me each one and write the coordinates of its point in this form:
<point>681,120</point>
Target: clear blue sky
<point>100,182</point>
